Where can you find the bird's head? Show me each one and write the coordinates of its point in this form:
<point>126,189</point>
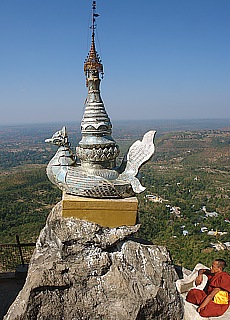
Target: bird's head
<point>59,138</point>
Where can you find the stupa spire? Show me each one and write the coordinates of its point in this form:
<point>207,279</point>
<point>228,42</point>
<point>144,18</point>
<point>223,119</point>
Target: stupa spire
<point>97,149</point>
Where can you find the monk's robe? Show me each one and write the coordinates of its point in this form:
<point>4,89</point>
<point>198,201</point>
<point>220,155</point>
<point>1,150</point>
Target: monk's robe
<point>220,280</point>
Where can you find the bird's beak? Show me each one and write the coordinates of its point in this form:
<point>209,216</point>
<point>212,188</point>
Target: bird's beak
<point>48,140</point>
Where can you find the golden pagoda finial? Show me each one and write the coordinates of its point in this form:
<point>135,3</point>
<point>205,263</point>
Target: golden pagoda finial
<point>93,61</point>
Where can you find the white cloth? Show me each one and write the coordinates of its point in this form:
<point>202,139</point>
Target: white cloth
<point>188,282</point>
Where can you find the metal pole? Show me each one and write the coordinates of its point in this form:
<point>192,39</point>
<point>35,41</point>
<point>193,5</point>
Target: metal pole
<point>20,250</point>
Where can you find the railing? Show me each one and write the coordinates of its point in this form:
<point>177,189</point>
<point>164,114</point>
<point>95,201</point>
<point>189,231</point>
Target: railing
<point>12,255</point>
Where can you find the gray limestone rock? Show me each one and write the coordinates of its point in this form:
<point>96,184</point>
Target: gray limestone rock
<point>80,270</point>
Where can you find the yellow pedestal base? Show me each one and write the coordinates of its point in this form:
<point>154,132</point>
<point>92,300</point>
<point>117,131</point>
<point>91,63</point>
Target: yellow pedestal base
<point>105,212</point>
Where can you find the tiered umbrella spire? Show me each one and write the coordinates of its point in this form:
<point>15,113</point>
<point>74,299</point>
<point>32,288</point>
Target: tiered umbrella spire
<point>97,149</point>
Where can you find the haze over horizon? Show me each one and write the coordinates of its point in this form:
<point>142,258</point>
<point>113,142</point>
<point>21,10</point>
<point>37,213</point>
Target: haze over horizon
<point>162,59</point>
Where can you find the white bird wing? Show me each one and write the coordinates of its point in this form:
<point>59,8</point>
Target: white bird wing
<point>138,154</point>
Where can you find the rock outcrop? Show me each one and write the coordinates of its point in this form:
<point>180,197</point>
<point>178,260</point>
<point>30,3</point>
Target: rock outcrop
<point>80,270</point>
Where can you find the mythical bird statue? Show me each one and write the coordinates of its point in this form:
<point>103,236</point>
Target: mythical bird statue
<point>95,174</point>
<point>119,182</point>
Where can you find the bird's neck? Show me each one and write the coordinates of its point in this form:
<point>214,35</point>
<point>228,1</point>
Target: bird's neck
<point>63,157</point>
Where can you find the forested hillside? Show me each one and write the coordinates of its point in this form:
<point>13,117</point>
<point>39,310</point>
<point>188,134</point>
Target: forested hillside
<point>186,203</point>
<point>191,216</point>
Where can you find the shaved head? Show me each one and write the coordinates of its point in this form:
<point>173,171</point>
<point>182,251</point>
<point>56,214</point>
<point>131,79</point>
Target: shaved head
<point>221,263</point>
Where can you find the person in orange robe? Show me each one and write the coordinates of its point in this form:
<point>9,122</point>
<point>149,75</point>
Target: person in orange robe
<point>218,283</point>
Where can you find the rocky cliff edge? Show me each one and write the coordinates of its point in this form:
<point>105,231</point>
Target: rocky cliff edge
<point>80,270</point>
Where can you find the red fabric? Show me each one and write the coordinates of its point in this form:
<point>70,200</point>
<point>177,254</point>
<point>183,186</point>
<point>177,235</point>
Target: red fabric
<point>196,296</point>
<point>220,280</point>
<point>212,309</point>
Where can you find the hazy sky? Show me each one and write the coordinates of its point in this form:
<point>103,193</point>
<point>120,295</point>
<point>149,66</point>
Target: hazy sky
<point>163,59</point>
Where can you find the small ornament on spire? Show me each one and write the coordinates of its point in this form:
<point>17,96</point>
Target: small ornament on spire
<point>93,62</point>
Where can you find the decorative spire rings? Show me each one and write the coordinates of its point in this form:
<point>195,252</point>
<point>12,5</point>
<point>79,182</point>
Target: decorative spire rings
<point>97,149</point>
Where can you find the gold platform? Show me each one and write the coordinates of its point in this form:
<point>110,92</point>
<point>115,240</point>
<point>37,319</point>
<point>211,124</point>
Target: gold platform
<point>105,212</point>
